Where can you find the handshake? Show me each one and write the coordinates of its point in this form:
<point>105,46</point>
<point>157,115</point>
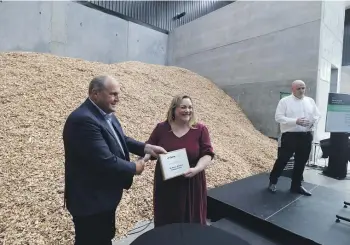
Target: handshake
<point>150,150</point>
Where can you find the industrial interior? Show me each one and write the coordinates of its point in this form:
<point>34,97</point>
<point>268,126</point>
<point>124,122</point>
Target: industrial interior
<point>236,59</point>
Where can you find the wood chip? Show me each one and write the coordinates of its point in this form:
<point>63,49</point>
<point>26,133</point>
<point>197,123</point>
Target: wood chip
<point>38,91</point>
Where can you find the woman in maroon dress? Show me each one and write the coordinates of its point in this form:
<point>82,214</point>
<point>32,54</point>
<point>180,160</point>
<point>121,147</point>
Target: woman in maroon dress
<point>182,199</point>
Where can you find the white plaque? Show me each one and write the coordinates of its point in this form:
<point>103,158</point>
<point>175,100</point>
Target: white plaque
<point>174,163</point>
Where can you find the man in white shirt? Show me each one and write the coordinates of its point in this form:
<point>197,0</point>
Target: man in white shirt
<point>297,115</point>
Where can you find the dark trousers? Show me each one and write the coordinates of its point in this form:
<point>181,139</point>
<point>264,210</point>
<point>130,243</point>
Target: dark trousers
<point>98,229</point>
<point>278,154</point>
<point>298,144</point>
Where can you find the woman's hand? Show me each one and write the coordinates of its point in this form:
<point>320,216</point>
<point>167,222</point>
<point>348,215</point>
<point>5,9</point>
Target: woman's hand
<point>201,165</point>
<point>191,172</point>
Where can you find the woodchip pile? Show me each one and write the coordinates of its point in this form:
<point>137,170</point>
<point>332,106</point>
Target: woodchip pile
<point>39,91</point>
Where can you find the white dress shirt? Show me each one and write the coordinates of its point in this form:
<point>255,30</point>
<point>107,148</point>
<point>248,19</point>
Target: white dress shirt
<point>108,119</point>
<point>290,108</point>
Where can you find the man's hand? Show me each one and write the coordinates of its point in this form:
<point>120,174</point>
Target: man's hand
<point>154,150</point>
<point>140,165</point>
<point>303,122</point>
<point>147,157</point>
<point>191,172</point>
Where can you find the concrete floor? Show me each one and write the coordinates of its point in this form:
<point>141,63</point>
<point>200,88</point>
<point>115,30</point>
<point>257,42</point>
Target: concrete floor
<point>312,174</point>
<point>140,228</point>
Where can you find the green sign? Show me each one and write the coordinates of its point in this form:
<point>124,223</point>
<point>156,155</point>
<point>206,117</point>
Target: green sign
<point>338,113</point>
<point>284,94</point>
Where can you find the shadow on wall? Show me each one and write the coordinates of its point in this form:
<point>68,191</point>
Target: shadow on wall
<point>259,101</point>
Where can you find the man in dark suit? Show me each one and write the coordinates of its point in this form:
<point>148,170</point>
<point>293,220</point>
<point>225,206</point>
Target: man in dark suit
<point>97,163</point>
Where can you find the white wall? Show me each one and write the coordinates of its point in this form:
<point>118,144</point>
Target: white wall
<point>331,48</point>
<point>71,29</point>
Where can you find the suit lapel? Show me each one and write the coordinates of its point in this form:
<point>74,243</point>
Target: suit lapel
<point>117,129</point>
<point>121,138</point>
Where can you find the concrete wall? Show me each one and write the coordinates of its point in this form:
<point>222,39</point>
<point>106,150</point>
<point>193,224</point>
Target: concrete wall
<point>330,56</point>
<point>253,51</point>
<point>345,80</point>
<point>70,29</point>
<point>32,31</point>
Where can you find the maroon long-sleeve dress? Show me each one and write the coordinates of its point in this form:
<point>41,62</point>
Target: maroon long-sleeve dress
<point>181,200</point>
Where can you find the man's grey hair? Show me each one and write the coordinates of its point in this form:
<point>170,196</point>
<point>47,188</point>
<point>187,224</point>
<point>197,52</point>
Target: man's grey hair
<point>98,83</point>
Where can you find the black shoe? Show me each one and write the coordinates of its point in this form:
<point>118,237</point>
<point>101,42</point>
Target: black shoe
<point>272,188</point>
<point>300,190</point>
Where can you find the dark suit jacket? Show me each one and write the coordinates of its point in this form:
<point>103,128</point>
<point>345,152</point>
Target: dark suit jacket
<point>96,171</point>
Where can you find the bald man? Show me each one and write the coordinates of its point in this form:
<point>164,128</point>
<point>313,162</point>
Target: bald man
<point>297,115</point>
<point>97,162</point>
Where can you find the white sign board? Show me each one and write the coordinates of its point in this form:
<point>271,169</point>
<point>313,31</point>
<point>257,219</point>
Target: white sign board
<point>338,113</point>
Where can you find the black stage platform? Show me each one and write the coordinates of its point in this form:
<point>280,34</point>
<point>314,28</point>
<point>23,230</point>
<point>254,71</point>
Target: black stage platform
<point>283,218</point>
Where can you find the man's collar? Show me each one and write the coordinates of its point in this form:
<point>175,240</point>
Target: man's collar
<point>104,114</point>
<point>297,97</point>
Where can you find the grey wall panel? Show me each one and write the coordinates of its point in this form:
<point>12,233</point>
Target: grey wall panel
<point>69,29</point>
<point>30,32</point>
<point>278,55</point>
<point>240,22</point>
<point>95,36</point>
<point>253,51</point>
<point>146,45</point>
